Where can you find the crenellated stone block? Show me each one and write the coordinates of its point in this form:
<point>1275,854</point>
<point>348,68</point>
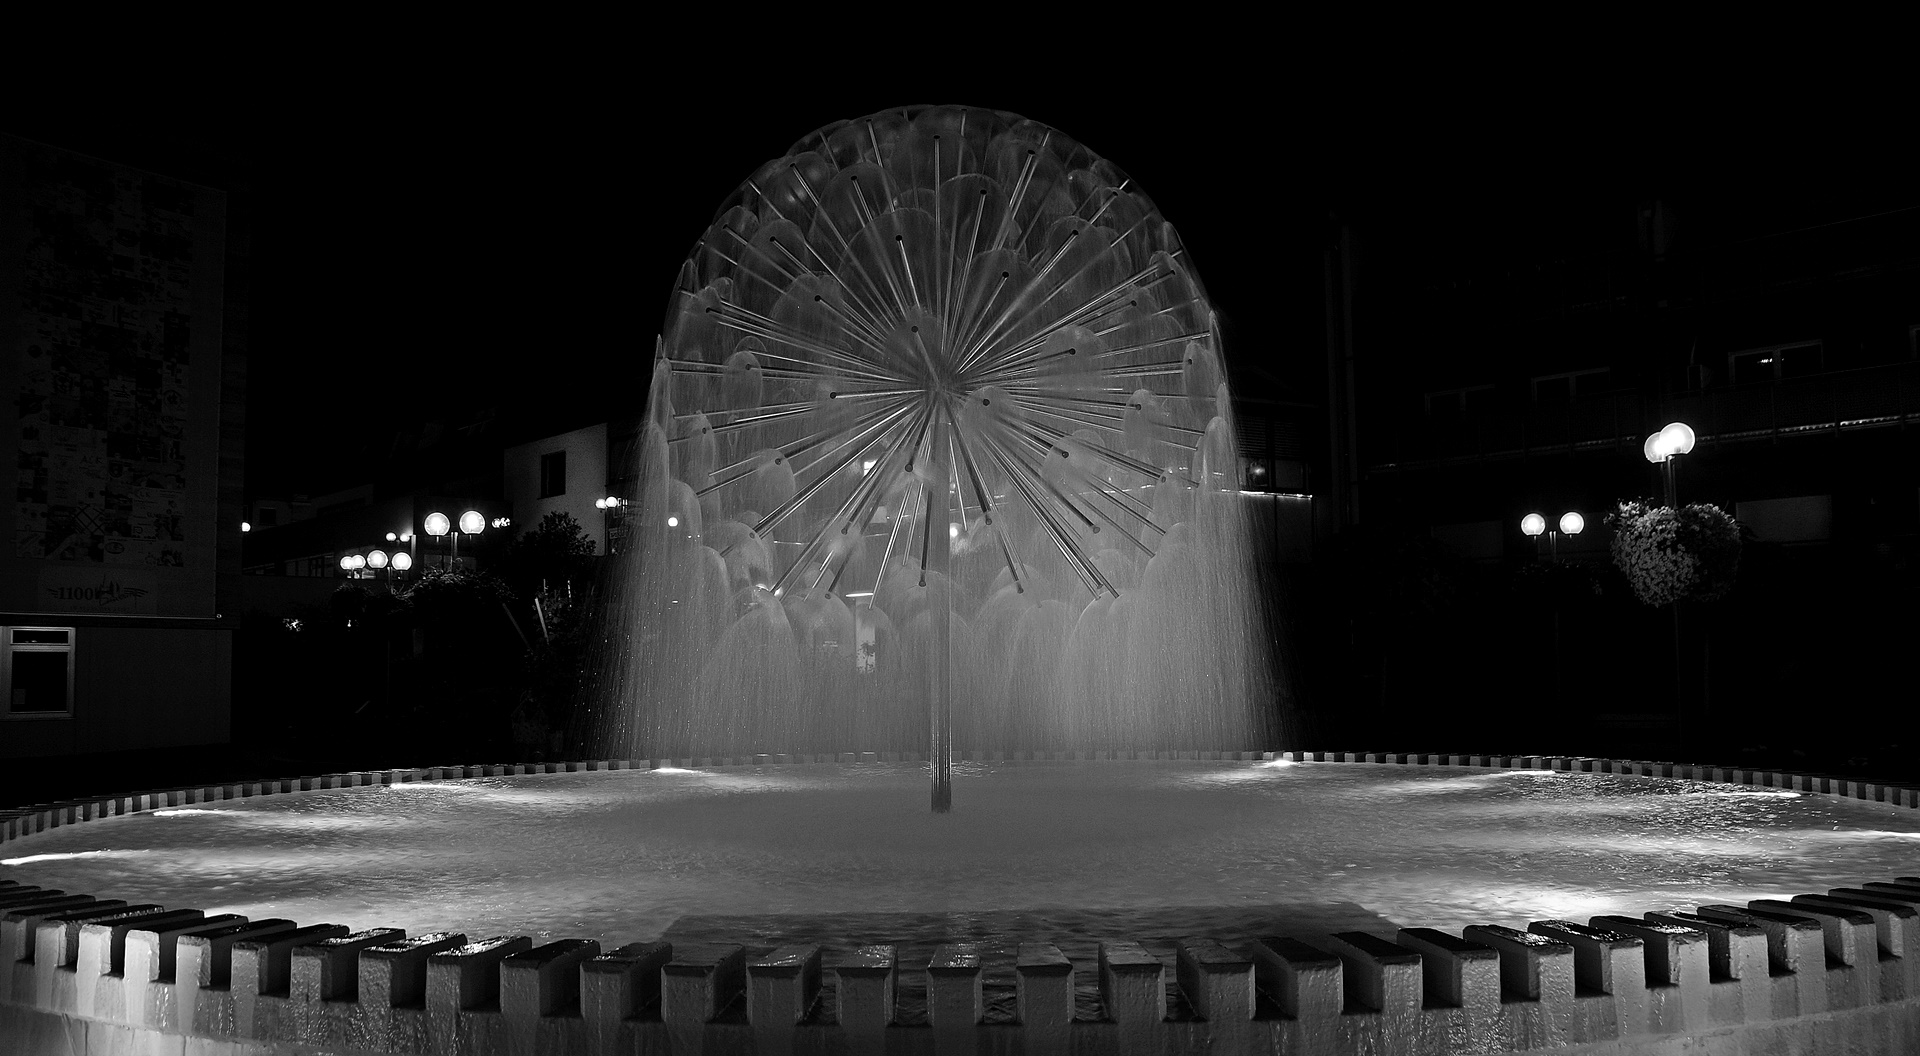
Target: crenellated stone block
<point>865,980</point>
<point>781,987</point>
<point>955,1001</point>
<point>1132,986</point>
<point>1043,996</point>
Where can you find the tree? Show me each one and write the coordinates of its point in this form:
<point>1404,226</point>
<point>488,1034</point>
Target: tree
<point>556,552</point>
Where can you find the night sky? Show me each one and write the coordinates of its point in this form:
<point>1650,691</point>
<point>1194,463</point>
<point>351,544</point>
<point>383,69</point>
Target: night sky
<point>423,250</point>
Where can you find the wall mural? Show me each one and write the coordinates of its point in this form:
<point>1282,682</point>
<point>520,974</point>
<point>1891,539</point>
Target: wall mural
<point>104,342</point>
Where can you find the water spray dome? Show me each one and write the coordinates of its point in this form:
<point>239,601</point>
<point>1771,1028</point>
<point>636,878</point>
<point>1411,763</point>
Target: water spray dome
<point>938,456</point>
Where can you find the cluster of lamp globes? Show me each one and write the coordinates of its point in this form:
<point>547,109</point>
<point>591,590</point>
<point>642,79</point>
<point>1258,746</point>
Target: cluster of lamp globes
<point>1675,439</point>
<point>472,522</point>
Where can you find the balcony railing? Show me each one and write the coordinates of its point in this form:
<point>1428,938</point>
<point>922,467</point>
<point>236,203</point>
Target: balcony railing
<point>1870,397</point>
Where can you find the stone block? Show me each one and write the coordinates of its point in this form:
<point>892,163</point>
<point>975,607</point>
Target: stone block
<point>56,951</point>
<point>1459,974</point>
<point>1607,962</point>
<point>544,981</point>
<point>1132,986</point>
<point>1043,996</point>
<point>203,976</point>
<point>329,969</point>
<point>619,984</point>
<point>955,1001</point>
<point>394,974</point>
<point>781,987</point>
<point>466,977</point>
<point>1796,948</point>
<point>1678,971</point>
<point>699,981</point>
<point>262,967</point>
<point>1849,937</point>
<point>865,991</point>
<point>1532,967</point>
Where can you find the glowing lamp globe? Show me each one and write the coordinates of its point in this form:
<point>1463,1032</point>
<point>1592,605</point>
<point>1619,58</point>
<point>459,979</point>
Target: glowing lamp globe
<point>1572,523</point>
<point>402,562</point>
<point>1652,449</point>
<point>245,527</point>
<point>1677,439</point>
<point>437,524</point>
<point>346,564</point>
<point>472,523</point>
<point>391,537</point>
<point>357,562</point>
<point>1533,524</point>
<point>376,559</point>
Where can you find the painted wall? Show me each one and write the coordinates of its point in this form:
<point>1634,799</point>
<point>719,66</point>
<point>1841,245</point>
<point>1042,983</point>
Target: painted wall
<point>136,687</point>
<point>586,481</point>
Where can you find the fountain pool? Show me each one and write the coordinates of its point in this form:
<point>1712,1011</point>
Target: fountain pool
<point>624,855</point>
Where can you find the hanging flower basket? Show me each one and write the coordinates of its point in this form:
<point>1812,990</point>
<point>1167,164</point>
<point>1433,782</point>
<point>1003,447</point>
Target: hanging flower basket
<point>1672,555</point>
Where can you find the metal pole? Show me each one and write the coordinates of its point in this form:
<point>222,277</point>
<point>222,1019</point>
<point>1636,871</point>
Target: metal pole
<point>940,560</point>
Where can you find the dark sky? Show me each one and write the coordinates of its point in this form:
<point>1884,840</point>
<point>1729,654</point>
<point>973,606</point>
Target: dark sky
<point>423,249</point>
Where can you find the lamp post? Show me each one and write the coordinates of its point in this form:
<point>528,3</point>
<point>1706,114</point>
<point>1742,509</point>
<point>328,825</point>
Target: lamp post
<point>471,523</point>
<point>1533,525</point>
<point>1663,449</point>
<point>616,527</point>
<point>377,560</point>
<point>436,525</point>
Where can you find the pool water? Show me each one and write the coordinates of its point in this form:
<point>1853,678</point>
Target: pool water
<point>1111,847</point>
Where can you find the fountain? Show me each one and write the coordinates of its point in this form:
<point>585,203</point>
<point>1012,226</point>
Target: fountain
<point>938,455</point>
<point>938,475</point>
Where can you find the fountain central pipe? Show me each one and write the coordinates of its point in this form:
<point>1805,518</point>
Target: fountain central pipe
<point>939,559</point>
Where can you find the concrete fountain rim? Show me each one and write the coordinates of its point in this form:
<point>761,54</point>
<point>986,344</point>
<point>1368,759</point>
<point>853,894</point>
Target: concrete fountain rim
<point>19,822</point>
<point>524,981</point>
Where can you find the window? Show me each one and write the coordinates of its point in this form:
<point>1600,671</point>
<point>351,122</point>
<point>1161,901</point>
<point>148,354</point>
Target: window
<point>553,474</point>
<point>1559,388</point>
<point>1754,365</point>
<point>1913,341</point>
<point>1471,400</point>
<point>36,672</point>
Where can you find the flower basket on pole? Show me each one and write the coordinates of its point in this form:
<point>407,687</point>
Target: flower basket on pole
<point>1669,555</point>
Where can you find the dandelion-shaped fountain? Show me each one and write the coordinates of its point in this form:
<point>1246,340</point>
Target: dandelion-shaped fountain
<point>937,453</point>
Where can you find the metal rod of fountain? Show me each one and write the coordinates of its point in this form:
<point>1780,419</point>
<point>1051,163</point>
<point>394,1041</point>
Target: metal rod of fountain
<point>940,559</point>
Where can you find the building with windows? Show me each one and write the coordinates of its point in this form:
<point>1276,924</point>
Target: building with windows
<point>564,473</point>
<point>123,357</point>
<point>1500,367</point>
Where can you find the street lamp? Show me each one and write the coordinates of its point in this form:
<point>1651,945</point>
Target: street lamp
<point>1533,526</point>
<point>436,525</point>
<point>377,560</point>
<point>1662,448</point>
<point>471,523</point>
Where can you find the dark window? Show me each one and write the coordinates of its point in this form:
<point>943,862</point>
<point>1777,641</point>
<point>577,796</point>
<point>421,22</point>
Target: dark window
<point>36,672</point>
<point>1781,361</point>
<point>553,474</point>
<point>267,516</point>
<point>1552,390</point>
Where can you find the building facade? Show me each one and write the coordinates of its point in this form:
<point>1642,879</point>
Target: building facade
<point>122,357</point>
